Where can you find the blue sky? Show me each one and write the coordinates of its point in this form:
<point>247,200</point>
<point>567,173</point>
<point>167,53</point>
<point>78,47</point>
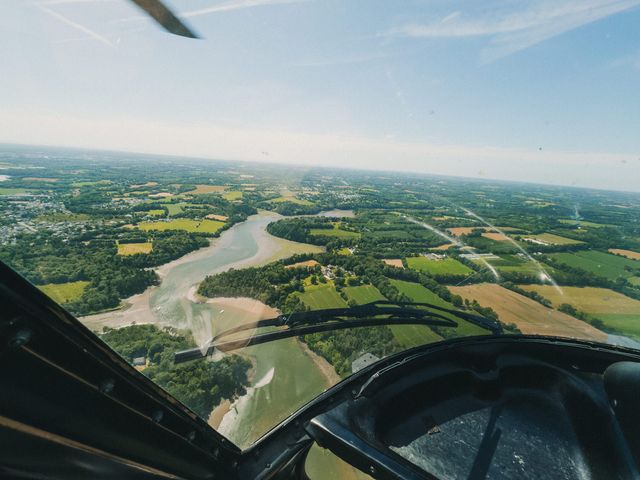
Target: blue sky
<point>540,90</point>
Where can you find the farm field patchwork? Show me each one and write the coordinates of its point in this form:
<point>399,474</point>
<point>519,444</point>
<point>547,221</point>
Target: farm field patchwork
<point>616,310</point>
<point>196,226</point>
<point>528,315</point>
<point>599,263</point>
<point>445,266</point>
<point>125,249</point>
<point>64,292</point>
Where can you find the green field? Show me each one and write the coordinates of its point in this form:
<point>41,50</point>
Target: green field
<point>583,223</point>
<point>232,195</point>
<point>295,200</point>
<point>64,292</point>
<point>419,293</point>
<point>195,226</point>
<point>125,249</point>
<point>551,239</point>
<point>344,251</point>
<point>334,232</point>
<point>319,297</point>
<point>516,263</point>
<point>156,213</point>
<point>599,263</point>
<point>363,294</point>
<point>13,191</point>
<point>446,266</point>
<point>616,310</point>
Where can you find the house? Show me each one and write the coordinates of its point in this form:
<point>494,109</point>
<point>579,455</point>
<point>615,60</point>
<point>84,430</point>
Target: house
<point>363,361</point>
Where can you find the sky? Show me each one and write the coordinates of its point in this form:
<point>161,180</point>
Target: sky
<point>544,91</point>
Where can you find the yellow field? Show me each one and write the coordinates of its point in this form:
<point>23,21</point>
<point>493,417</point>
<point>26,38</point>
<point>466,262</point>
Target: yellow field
<point>308,263</point>
<point>625,253</point>
<point>203,189</point>
<point>551,239</point>
<point>588,299</point>
<point>394,262</point>
<point>446,246</point>
<point>64,292</point>
<point>221,218</point>
<point>196,226</point>
<point>125,249</point>
<point>498,237</point>
<point>232,195</point>
<point>528,315</point>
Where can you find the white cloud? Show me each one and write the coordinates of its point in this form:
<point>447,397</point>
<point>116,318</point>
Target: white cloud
<point>514,29</point>
<point>598,170</point>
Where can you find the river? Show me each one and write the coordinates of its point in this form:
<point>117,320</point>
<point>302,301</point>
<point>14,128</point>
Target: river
<point>285,375</point>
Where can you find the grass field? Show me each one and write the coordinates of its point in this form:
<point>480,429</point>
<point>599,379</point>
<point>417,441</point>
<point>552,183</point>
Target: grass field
<point>551,239</point>
<point>204,189</point>
<point>334,232</point>
<point>295,200</point>
<point>156,213</point>
<point>599,263</point>
<point>616,310</point>
<point>344,251</point>
<point>196,226</point>
<point>446,266</point>
<point>419,293</point>
<point>64,292</point>
<point>232,195</point>
<point>125,249</point>
<point>515,263</point>
<point>626,253</point>
<point>583,223</point>
<point>318,297</point>
<point>363,294</point>
<point>13,191</point>
<point>528,315</point>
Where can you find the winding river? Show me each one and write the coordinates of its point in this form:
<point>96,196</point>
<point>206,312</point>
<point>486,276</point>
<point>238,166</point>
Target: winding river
<point>285,376</point>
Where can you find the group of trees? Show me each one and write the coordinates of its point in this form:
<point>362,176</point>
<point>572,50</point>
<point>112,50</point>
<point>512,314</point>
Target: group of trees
<point>199,384</point>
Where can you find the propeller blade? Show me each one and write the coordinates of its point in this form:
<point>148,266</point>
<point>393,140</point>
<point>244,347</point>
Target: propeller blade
<point>161,14</point>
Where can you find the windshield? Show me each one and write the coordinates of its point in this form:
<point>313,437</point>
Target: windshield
<point>308,156</point>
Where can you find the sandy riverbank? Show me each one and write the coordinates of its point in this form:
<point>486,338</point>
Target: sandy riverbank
<point>327,370</point>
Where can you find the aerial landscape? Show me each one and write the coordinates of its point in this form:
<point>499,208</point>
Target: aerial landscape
<point>157,254</point>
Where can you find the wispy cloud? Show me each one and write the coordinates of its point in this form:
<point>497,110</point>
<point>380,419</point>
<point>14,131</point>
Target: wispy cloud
<point>632,60</point>
<point>76,25</point>
<point>512,29</point>
<point>235,5</point>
